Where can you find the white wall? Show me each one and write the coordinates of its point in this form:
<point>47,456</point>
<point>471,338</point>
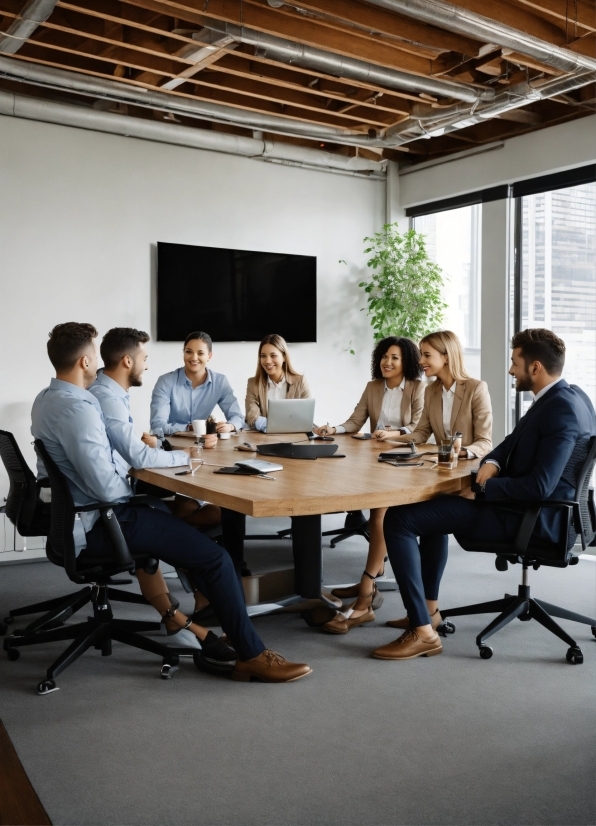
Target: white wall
<point>80,213</point>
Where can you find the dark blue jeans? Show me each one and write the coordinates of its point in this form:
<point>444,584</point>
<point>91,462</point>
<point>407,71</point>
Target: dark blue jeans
<point>418,565</point>
<point>154,532</point>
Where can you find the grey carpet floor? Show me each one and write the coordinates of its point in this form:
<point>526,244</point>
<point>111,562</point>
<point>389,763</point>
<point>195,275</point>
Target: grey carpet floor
<point>451,740</point>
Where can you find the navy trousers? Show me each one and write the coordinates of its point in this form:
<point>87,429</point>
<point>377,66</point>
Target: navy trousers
<point>418,564</point>
<point>157,533</point>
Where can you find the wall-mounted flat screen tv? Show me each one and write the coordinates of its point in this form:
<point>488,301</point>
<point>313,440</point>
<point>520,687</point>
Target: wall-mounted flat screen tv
<point>235,295</point>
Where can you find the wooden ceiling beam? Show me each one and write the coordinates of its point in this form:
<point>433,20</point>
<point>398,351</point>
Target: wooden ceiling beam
<point>523,18</point>
<point>322,89</point>
<point>374,23</point>
<point>269,92</point>
<point>578,13</point>
<point>306,31</point>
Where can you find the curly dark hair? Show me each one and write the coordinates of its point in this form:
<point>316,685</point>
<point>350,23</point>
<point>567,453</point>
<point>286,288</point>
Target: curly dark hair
<point>410,356</point>
<point>119,342</point>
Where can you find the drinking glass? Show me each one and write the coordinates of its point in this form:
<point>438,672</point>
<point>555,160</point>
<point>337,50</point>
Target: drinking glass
<point>196,458</point>
<point>446,455</point>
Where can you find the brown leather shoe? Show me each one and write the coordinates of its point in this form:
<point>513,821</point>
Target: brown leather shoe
<point>340,624</point>
<point>408,646</point>
<point>436,619</point>
<point>269,667</point>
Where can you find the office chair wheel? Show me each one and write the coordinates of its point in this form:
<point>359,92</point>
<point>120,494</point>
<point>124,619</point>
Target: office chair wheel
<point>574,656</point>
<point>46,687</point>
<point>446,628</point>
<point>168,668</point>
<point>13,654</point>
<point>485,652</point>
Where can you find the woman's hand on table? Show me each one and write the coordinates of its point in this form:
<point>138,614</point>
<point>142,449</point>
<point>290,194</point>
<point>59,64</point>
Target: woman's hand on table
<point>381,435</point>
<point>149,440</point>
<point>324,430</point>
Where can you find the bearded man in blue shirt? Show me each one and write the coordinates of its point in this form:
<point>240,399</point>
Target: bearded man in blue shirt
<point>69,421</point>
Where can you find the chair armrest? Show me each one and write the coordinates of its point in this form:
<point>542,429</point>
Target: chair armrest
<point>113,530</point>
<point>531,511</point>
<point>96,506</point>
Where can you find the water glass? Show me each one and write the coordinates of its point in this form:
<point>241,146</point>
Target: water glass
<point>196,458</point>
<point>446,455</point>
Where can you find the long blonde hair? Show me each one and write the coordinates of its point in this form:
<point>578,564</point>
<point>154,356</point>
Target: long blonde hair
<point>280,344</point>
<point>448,344</point>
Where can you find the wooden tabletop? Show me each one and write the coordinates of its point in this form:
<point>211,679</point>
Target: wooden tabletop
<point>306,487</point>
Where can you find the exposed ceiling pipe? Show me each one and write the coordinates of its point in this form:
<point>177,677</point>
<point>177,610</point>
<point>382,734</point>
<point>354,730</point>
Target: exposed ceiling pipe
<point>458,117</point>
<point>33,13</point>
<point>307,57</point>
<point>22,106</point>
<point>121,92</point>
<point>461,21</point>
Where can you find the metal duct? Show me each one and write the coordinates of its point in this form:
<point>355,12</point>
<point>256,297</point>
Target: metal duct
<point>461,21</point>
<point>34,12</point>
<point>307,57</point>
<point>21,106</point>
<point>434,122</point>
<point>120,92</point>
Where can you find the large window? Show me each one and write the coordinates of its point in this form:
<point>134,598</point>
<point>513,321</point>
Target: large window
<point>556,276</point>
<point>453,241</point>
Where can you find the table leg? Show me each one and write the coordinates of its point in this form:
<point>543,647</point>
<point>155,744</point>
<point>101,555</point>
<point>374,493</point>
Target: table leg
<point>308,557</point>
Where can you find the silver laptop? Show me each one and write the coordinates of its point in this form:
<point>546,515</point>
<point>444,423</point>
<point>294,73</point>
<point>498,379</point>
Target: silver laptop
<point>290,415</point>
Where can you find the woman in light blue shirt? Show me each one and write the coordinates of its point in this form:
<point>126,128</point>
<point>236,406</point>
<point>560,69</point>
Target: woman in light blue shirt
<point>191,392</point>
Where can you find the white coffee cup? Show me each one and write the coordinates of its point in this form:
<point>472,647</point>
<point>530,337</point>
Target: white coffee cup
<point>199,427</point>
<point>225,434</point>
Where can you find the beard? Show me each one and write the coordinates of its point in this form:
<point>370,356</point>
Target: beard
<point>524,384</point>
<point>136,379</point>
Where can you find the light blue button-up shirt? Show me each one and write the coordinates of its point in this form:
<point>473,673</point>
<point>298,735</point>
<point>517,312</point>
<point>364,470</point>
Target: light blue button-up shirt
<point>129,450</point>
<point>70,423</point>
<point>175,404</point>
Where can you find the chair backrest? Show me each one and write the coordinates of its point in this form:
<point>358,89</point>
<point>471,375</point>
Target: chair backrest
<point>578,472</point>
<point>60,547</point>
<point>23,506</point>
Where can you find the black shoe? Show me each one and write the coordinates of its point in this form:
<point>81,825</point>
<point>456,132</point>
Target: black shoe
<point>215,657</point>
<point>244,571</point>
<point>355,520</point>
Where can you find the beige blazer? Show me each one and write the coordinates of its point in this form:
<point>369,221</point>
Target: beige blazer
<point>256,396</point>
<point>369,406</point>
<point>471,414</point>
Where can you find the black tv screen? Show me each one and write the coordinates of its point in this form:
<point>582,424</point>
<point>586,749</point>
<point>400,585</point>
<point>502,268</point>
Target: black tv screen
<point>235,295</point>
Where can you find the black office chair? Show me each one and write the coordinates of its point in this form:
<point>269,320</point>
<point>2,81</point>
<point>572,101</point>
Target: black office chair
<point>101,629</point>
<point>578,518</point>
<point>32,518</point>
<point>356,524</point>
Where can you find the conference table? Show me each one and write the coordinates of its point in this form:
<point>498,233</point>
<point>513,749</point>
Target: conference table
<point>306,489</point>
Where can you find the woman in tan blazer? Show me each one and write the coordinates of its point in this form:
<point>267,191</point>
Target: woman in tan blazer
<point>453,402</point>
<point>392,401</point>
<point>275,379</point>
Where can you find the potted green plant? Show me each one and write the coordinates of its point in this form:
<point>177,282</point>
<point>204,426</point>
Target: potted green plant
<point>405,289</point>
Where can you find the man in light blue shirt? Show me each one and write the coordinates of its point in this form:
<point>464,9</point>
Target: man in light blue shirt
<point>125,360</point>
<point>69,421</point>
<point>193,391</point>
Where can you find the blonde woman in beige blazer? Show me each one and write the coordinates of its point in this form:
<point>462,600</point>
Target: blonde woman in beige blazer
<point>275,379</point>
<point>393,401</point>
<point>453,402</point>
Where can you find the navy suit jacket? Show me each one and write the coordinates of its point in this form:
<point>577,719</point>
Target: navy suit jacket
<point>533,457</point>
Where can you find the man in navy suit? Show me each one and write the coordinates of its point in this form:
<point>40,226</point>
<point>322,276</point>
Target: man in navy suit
<point>530,463</point>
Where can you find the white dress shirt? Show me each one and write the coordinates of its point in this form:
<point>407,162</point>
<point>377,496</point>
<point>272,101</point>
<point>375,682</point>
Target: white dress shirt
<point>391,408</point>
<point>448,397</point>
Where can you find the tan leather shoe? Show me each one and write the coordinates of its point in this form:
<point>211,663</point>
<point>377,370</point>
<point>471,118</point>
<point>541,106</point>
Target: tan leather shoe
<point>436,619</point>
<point>408,646</point>
<point>269,667</point>
<point>340,624</point>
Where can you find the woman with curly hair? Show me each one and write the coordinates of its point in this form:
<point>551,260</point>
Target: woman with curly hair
<point>393,401</point>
